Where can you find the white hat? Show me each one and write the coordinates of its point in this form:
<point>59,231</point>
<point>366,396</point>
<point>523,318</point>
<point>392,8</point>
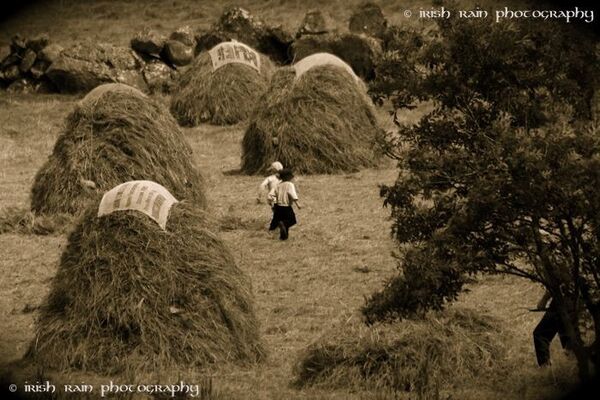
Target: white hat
<point>277,166</point>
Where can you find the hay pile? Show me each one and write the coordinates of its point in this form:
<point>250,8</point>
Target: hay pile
<point>117,134</point>
<point>319,122</point>
<point>225,96</point>
<point>130,297</point>
<point>444,350</point>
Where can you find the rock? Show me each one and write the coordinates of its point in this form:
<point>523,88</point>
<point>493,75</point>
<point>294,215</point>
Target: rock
<point>368,19</point>
<point>148,41</point>
<point>114,56</point>
<point>132,78</point>
<point>50,53</point>
<point>12,59</point>
<point>38,69</point>
<point>4,53</point>
<point>86,65</point>
<point>361,52</point>
<point>37,43</point>
<point>12,73</point>
<point>18,44</point>
<point>22,85</point>
<point>185,35</point>
<point>158,76</point>
<point>237,23</point>
<point>71,75</point>
<point>27,61</point>
<point>314,23</point>
<point>178,53</point>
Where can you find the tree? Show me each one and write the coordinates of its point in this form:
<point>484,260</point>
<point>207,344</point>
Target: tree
<point>503,176</point>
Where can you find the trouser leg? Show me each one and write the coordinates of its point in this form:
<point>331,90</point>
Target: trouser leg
<point>543,334</point>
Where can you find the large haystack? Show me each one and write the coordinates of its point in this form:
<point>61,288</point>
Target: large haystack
<point>131,297</point>
<point>115,134</point>
<point>315,119</point>
<point>222,96</point>
<point>446,349</point>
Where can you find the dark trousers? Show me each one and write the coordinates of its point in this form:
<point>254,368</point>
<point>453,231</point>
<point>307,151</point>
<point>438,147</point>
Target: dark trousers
<point>545,331</point>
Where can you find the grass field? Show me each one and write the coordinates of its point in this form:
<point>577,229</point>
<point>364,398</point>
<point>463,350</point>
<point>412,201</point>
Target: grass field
<point>339,252</point>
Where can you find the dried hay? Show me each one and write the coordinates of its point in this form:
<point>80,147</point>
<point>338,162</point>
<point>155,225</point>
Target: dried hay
<point>442,350</point>
<point>95,94</point>
<point>319,59</point>
<point>322,122</point>
<point>361,52</point>
<point>23,221</point>
<point>222,97</point>
<point>130,297</point>
<point>110,139</point>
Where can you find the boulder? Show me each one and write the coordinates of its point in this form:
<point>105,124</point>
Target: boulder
<point>185,35</point>
<point>368,19</point>
<point>4,53</point>
<point>238,24</point>
<point>27,61</point>
<point>314,23</point>
<point>38,69</point>
<point>177,53</point>
<point>158,76</point>
<point>38,42</point>
<point>12,59</point>
<point>50,53</point>
<point>22,85</point>
<point>148,41</point>
<point>12,73</point>
<point>71,75</point>
<point>84,66</point>
<point>131,78</point>
<point>18,44</point>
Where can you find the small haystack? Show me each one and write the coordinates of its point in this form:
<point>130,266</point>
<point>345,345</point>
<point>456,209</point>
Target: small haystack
<point>222,86</point>
<point>130,297</point>
<point>446,349</point>
<point>115,134</point>
<point>318,120</point>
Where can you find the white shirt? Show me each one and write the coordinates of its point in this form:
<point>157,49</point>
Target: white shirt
<point>283,194</point>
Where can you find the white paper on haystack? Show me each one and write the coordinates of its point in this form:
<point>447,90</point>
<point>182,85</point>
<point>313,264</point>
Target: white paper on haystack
<point>147,197</point>
<point>320,59</point>
<point>234,52</point>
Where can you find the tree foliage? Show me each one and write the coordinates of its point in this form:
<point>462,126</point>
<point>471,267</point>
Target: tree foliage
<point>503,176</point>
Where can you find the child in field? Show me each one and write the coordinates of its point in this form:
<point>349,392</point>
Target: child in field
<point>283,196</point>
<point>270,182</point>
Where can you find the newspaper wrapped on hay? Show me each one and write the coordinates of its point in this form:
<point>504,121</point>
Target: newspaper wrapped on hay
<point>115,134</point>
<point>222,86</point>
<point>132,296</point>
<point>315,118</point>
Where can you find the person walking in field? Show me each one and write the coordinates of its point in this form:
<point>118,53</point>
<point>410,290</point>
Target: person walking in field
<point>283,197</point>
<point>270,182</point>
<point>547,329</point>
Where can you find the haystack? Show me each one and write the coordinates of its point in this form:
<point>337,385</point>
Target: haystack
<point>446,349</point>
<point>223,95</point>
<point>130,297</point>
<point>115,134</point>
<point>316,119</point>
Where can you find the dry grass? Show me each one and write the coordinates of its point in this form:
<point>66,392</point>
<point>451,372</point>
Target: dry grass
<point>222,97</point>
<point>316,123</point>
<point>338,253</point>
<point>424,356</point>
<point>108,139</point>
<point>129,297</point>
